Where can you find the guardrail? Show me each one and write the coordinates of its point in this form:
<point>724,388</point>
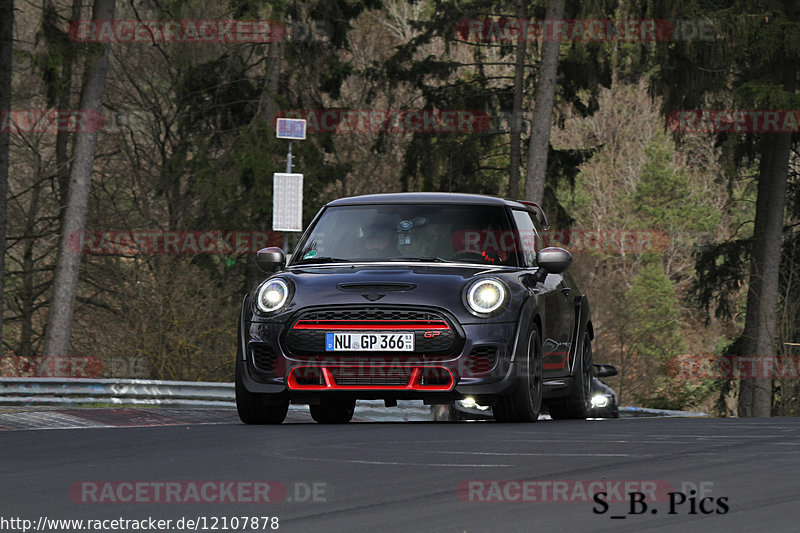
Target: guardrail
<point>85,391</point>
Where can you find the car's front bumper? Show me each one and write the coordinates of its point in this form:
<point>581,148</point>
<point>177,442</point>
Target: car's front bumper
<point>483,365</point>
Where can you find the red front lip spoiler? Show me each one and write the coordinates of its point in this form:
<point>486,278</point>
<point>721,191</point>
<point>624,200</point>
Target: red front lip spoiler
<point>333,325</point>
<point>413,384</point>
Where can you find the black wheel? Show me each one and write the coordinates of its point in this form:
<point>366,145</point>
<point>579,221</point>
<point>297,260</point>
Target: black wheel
<point>254,408</point>
<point>333,411</point>
<point>525,403</point>
<point>579,402</point>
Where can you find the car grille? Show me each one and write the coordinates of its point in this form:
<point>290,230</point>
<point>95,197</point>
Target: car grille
<point>371,377</point>
<point>372,313</point>
<point>434,334</point>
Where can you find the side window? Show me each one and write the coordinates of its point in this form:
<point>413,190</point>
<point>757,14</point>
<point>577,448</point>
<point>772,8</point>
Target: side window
<point>528,236</point>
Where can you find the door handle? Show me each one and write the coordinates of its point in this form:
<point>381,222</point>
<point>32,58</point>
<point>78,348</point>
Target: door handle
<point>565,291</point>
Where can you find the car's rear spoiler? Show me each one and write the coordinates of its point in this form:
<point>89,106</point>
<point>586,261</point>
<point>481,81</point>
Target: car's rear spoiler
<point>539,208</point>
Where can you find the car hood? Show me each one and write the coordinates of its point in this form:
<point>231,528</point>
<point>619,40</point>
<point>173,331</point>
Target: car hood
<point>421,284</point>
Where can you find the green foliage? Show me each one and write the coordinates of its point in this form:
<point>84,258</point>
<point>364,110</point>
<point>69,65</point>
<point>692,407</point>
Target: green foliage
<point>663,199</point>
<point>451,81</point>
<point>722,270</point>
<point>653,315</point>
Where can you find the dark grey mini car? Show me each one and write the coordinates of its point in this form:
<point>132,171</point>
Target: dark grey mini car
<point>428,296</point>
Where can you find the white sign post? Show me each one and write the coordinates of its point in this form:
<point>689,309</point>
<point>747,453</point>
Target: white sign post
<point>287,202</point>
<point>287,188</point>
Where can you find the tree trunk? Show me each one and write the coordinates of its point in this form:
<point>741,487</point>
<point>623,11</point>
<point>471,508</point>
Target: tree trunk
<point>760,330</point>
<point>28,292</point>
<point>516,112</point>
<point>63,134</point>
<point>267,105</point>
<point>6,60</point>
<point>65,283</point>
<point>544,97</point>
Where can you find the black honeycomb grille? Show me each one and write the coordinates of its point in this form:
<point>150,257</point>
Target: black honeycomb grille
<point>371,314</point>
<point>371,377</point>
<point>308,342</point>
<point>264,357</point>
<point>481,360</point>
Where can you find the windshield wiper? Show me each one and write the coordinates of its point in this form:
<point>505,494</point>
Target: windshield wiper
<point>421,259</point>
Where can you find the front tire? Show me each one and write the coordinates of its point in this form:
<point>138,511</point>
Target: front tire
<point>579,403</point>
<point>525,404</point>
<point>254,408</point>
<point>333,411</point>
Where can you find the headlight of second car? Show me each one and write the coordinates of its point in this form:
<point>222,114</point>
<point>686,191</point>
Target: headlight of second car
<point>600,401</point>
<point>273,295</point>
<point>486,296</point>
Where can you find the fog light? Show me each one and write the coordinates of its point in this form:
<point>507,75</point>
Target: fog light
<point>599,401</point>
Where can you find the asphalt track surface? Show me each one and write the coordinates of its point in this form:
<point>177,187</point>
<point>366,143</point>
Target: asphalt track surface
<point>413,476</point>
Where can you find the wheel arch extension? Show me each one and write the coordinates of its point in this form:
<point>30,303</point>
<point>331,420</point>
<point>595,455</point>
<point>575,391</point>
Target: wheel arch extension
<point>584,316</point>
<point>242,334</point>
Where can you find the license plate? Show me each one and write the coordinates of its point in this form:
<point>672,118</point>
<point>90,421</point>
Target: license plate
<point>369,341</point>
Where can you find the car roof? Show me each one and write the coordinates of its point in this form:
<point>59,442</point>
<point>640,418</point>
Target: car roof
<point>426,198</point>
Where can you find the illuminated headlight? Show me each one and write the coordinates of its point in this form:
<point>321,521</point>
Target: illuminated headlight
<point>486,295</point>
<point>272,295</point>
<point>599,401</point>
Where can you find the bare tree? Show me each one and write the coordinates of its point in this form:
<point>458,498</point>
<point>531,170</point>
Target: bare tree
<point>516,115</point>
<point>6,59</point>
<point>65,285</point>
<point>63,135</point>
<point>544,98</point>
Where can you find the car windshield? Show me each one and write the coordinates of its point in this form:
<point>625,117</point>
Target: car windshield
<point>480,234</point>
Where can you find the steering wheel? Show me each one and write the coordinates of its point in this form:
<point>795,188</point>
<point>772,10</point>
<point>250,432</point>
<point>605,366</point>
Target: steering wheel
<point>470,256</point>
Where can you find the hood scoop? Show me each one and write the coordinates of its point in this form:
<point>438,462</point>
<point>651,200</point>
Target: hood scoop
<point>376,287</point>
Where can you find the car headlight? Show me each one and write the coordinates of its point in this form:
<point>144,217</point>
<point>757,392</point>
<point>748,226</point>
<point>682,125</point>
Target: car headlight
<point>272,295</point>
<point>599,401</point>
<point>485,296</point>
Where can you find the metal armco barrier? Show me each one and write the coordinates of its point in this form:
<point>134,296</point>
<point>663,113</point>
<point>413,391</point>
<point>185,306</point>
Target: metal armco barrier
<point>84,391</point>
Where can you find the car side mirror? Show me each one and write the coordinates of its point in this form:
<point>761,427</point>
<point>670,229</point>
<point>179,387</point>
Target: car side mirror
<point>552,260</point>
<point>270,259</point>
<point>605,371</point>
